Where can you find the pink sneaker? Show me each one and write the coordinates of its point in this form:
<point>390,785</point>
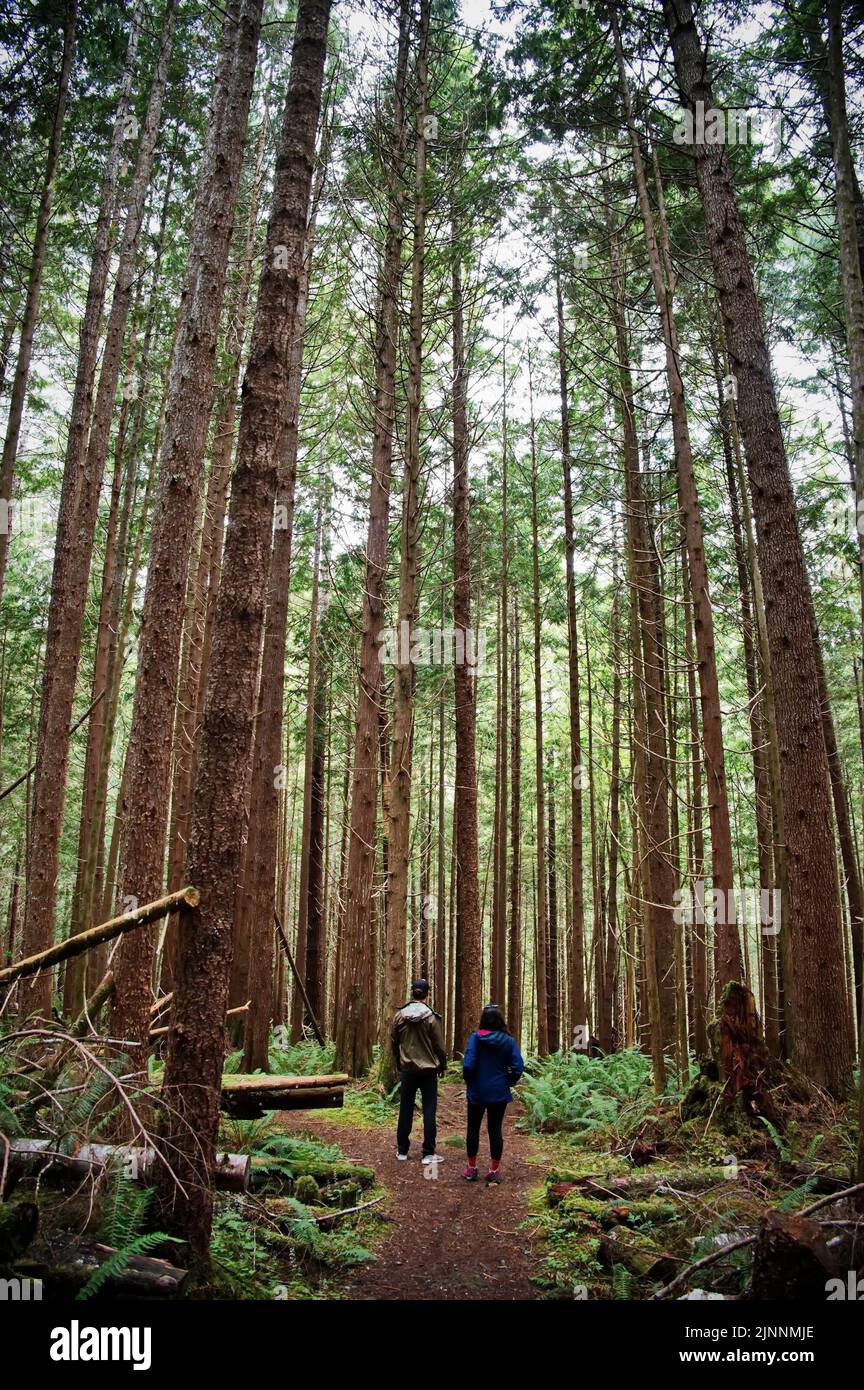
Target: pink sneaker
<point>493,1175</point>
<point>470,1174</point>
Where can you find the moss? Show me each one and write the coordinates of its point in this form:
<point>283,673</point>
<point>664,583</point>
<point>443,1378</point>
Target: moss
<point>306,1190</point>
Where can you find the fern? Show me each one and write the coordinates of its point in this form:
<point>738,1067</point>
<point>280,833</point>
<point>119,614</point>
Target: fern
<point>571,1091</point>
<point>777,1139</point>
<point>117,1262</point>
<point>124,1210</point>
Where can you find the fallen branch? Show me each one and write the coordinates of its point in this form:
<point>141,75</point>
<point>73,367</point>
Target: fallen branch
<point>95,936</point>
<point>73,729</point>
<point>232,1013</point>
<point>331,1216</point>
<point>319,1036</point>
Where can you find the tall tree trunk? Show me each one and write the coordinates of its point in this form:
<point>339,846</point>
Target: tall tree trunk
<point>578,1000</point>
<point>468,963</point>
<point>190,398</point>
<point>812,938</point>
<point>498,957</point>
<point>316,955</point>
<point>606,1032</point>
<point>553,1001</point>
<point>201,600</point>
<point>652,883</point>
<point>514,963</point>
<point>728,953</point>
<point>541,972</point>
<point>73,553</point>
<point>196,1041</point>
<point>298,1007</point>
<point>355,1028</point>
<point>404,673</point>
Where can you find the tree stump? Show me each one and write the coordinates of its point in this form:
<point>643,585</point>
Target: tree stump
<point>740,1061</point>
<point>791,1260</point>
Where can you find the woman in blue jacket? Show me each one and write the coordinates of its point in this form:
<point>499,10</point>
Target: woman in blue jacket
<point>491,1065</point>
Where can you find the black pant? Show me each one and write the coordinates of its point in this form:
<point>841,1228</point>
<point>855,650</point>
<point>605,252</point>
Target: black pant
<point>427,1084</point>
<point>494,1123</point>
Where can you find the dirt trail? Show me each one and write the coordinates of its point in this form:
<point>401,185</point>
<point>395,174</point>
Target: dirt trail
<point>448,1239</point>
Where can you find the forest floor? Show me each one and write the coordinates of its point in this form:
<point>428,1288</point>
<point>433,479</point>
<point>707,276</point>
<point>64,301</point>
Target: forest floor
<point>446,1239</point>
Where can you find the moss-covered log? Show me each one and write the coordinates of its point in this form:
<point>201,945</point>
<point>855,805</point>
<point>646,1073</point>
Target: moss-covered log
<point>270,1175</point>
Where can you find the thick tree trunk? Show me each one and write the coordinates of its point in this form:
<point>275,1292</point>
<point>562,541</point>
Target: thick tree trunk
<point>201,599</point>
<point>194,1067</point>
<point>811,939</point>
<point>727,946</point>
<point>74,549</point>
<point>190,395</point>
<point>404,674</point>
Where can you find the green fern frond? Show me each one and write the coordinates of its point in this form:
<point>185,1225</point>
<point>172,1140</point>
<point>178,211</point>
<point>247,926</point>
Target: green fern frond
<point>117,1262</point>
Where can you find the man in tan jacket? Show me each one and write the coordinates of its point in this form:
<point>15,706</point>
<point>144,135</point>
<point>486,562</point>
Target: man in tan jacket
<point>420,1056</point>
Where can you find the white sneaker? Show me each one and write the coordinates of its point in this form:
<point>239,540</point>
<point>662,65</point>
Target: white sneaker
<point>433,1158</point>
<point>403,1158</point>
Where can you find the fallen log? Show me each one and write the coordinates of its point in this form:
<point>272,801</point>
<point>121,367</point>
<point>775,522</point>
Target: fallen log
<point>251,1105</point>
<point>642,1184</point>
<point>275,1172</point>
<point>328,1219</point>
<point>636,1252</point>
<point>243,1081</point>
<point>857,1190</point>
<point>96,936</point>
<point>231,1172</point>
<point>72,1266</point>
<point>247,1097</point>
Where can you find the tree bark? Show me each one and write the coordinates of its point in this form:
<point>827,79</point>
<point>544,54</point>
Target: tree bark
<point>190,395</point>
<point>73,553</point>
<point>355,1022</point>
<point>194,1067</point>
<point>812,939</point>
<point>469,929</point>
<point>404,673</point>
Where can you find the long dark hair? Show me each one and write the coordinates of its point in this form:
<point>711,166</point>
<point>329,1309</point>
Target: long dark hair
<point>492,1019</point>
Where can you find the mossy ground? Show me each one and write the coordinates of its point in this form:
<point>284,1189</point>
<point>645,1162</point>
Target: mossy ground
<point>716,1171</point>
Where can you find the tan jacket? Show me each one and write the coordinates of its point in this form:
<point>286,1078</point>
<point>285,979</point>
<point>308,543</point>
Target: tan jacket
<point>417,1040</point>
